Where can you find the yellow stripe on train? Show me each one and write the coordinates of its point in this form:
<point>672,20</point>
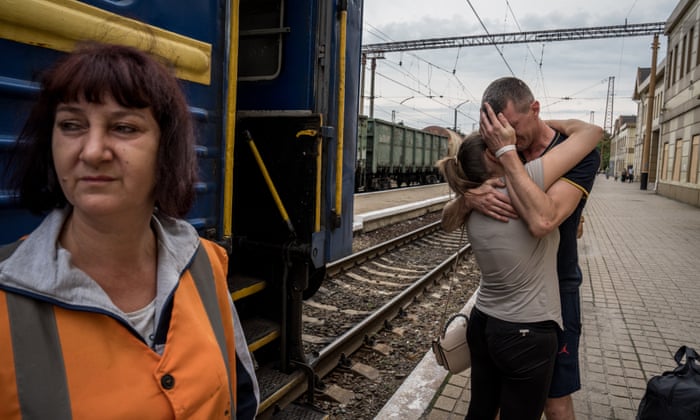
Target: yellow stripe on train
<point>60,24</point>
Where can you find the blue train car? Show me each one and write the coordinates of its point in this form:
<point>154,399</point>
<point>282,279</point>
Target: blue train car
<point>273,86</point>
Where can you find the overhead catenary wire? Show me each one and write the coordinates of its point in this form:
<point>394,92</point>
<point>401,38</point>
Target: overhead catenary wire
<point>538,63</point>
<point>432,117</point>
<point>431,97</point>
<point>622,53</point>
<point>430,85</point>
<point>493,42</point>
<point>383,36</point>
<point>400,67</point>
<point>431,92</point>
<point>575,94</point>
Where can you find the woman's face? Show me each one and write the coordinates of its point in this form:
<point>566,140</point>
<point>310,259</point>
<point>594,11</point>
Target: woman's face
<point>105,156</point>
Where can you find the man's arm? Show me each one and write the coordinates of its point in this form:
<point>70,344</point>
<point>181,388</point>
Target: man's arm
<point>529,199</point>
<point>485,199</point>
<point>489,201</point>
<point>543,211</point>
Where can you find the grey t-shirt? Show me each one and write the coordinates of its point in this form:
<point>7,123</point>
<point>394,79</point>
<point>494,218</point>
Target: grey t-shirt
<point>519,272</point>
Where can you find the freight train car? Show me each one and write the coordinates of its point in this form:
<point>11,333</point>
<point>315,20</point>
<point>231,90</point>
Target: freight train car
<point>454,139</point>
<point>273,88</point>
<point>394,155</point>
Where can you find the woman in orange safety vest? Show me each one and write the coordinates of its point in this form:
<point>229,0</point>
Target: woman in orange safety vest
<point>114,307</point>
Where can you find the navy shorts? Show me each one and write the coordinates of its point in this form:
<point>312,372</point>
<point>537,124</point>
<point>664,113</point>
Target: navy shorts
<point>567,376</point>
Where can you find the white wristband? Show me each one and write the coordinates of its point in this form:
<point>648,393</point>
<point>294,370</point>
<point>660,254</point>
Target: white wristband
<point>502,150</point>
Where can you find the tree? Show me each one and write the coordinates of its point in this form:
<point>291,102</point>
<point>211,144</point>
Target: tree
<point>604,149</point>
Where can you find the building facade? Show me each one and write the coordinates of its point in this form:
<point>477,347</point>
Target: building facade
<point>679,144</point>
<point>622,145</point>
<point>641,96</point>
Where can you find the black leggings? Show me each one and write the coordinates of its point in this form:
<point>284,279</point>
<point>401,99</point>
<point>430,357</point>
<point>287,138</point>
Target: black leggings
<point>512,366</point>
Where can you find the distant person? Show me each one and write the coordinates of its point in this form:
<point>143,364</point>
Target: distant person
<point>513,327</point>
<point>114,306</point>
<point>630,175</point>
<point>512,98</point>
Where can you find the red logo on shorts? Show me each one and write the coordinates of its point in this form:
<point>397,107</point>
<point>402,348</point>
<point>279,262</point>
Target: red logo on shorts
<point>564,350</point>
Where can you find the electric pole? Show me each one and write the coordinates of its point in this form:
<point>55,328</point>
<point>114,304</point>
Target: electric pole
<point>608,122</point>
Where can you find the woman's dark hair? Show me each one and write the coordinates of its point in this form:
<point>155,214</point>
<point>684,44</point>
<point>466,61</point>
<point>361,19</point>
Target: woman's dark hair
<point>135,80</point>
<point>466,170</point>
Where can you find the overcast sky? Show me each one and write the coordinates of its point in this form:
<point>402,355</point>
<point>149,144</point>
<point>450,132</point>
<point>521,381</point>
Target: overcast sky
<point>424,87</point>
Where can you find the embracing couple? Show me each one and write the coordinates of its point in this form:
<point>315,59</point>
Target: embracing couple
<point>521,185</point>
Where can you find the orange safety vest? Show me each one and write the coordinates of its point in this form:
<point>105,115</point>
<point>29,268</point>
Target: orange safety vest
<point>64,363</point>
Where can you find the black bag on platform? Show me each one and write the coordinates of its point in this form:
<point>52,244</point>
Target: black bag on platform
<point>675,395</point>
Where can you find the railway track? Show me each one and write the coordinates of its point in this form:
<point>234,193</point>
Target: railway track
<point>362,296</point>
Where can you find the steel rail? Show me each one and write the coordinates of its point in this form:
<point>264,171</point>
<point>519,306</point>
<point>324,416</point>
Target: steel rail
<point>353,260</point>
<point>346,344</point>
<point>329,357</point>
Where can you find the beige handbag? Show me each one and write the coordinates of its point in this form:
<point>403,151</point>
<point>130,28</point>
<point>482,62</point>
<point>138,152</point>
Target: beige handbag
<point>451,349</point>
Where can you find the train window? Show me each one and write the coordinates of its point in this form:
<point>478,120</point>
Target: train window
<point>260,39</point>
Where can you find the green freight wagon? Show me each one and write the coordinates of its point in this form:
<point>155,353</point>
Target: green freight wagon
<point>391,155</point>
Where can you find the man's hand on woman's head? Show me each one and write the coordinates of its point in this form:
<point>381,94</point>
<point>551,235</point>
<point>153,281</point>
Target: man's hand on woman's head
<point>486,199</point>
<point>495,129</point>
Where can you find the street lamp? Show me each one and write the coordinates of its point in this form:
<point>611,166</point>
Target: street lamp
<point>456,108</point>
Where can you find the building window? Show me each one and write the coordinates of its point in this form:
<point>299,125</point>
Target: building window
<point>690,49</point>
<point>682,58</point>
<point>694,154</point>
<point>669,73</point>
<point>664,162</point>
<point>676,59</point>
<point>697,54</point>
<point>677,158</point>
<point>261,35</point>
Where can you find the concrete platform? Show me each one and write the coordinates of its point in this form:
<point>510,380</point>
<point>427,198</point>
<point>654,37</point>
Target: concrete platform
<point>640,258</point>
<point>378,209</point>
